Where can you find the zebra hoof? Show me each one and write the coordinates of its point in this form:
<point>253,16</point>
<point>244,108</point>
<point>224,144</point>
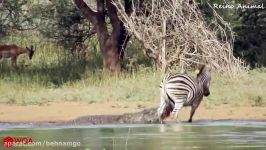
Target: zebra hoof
<point>190,120</point>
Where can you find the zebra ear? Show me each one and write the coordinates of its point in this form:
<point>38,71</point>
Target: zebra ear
<point>200,68</point>
<point>197,71</point>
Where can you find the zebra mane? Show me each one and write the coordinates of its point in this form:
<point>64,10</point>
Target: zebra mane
<point>201,70</point>
<point>204,68</point>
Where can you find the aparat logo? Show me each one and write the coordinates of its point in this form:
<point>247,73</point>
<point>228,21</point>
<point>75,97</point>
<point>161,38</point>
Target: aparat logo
<point>10,141</point>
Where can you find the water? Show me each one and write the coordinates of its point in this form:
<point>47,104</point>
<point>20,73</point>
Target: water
<point>205,135</point>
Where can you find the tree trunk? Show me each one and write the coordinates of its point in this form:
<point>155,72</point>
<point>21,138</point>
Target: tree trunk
<point>112,45</point>
<point>111,56</point>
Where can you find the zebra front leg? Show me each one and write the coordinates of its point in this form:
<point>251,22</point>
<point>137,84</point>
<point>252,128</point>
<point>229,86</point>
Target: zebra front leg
<point>193,109</point>
<point>191,115</point>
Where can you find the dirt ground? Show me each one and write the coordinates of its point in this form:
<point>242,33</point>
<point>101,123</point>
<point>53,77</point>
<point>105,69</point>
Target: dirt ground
<point>69,110</point>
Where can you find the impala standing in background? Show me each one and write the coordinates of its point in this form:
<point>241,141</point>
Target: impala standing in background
<point>13,51</point>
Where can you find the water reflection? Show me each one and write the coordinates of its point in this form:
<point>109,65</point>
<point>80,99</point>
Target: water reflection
<point>200,135</point>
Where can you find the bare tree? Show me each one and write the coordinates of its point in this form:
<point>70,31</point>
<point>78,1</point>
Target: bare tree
<point>111,43</point>
<point>174,33</point>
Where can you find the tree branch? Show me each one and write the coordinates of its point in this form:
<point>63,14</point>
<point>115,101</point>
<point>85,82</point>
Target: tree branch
<point>100,26</point>
<point>112,13</point>
<point>86,11</point>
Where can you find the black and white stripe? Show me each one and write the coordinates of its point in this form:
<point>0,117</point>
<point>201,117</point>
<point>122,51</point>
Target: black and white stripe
<point>178,90</point>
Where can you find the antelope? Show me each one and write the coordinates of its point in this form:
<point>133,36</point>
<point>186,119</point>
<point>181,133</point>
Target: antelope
<point>13,51</point>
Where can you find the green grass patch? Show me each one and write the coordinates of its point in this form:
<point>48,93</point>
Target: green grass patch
<point>94,87</point>
<point>54,74</point>
<point>247,89</point>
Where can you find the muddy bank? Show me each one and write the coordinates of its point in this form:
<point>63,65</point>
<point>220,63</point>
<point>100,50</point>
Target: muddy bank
<point>65,113</point>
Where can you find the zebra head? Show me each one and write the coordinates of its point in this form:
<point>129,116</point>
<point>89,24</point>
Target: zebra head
<point>204,79</point>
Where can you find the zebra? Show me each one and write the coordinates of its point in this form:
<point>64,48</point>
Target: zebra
<point>178,90</point>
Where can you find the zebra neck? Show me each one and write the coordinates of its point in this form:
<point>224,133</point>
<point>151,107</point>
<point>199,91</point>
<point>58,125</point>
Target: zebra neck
<point>200,81</point>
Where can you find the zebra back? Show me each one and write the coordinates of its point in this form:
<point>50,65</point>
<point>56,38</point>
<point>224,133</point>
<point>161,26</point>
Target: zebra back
<point>180,87</point>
